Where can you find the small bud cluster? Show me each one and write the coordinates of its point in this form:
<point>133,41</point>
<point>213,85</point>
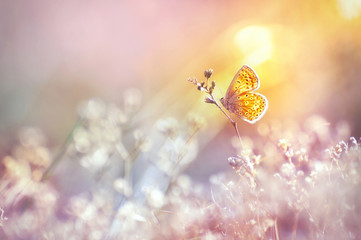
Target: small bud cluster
<point>244,165</point>
<point>204,85</point>
<point>337,152</point>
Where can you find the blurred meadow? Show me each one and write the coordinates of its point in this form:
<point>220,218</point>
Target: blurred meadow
<point>103,137</point>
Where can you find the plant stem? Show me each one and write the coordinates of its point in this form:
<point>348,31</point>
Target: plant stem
<point>276,230</point>
<point>295,224</point>
<point>62,150</point>
<point>229,118</point>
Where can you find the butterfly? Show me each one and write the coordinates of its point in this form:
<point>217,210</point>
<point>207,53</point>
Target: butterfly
<point>240,98</point>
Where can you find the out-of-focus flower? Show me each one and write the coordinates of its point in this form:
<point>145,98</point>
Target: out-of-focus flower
<point>132,100</point>
<point>122,186</point>
<point>168,126</point>
<point>2,217</point>
<point>155,198</point>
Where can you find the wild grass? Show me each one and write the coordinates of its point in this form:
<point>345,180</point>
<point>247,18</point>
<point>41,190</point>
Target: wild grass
<point>114,180</point>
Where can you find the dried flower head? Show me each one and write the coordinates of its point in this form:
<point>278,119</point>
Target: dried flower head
<point>168,126</point>
<point>204,85</point>
<point>243,165</point>
<point>208,73</point>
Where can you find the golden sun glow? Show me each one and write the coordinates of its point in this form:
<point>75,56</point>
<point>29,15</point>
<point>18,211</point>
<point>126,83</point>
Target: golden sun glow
<point>255,43</point>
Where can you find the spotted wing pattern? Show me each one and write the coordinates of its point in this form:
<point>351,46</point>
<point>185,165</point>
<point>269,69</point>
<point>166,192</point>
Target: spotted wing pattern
<point>245,80</point>
<point>250,106</point>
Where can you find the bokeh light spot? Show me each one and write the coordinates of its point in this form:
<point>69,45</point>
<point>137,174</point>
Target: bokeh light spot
<point>349,9</point>
<point>255,43</point>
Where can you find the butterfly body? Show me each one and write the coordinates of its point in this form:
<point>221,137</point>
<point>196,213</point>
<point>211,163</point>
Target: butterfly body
<point>240,98</point>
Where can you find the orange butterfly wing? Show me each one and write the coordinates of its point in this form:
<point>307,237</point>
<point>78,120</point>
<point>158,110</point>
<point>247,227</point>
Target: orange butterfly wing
<point>250,106</point>
<point>240,99</point>
<point>246,79</point>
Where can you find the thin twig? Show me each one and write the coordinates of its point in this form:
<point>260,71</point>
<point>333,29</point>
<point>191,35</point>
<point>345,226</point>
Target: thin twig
<point>62,150</point>
<point>295,225</point>
<point>204,86</point>
<point>276,229</point>
<point>234,124</point>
